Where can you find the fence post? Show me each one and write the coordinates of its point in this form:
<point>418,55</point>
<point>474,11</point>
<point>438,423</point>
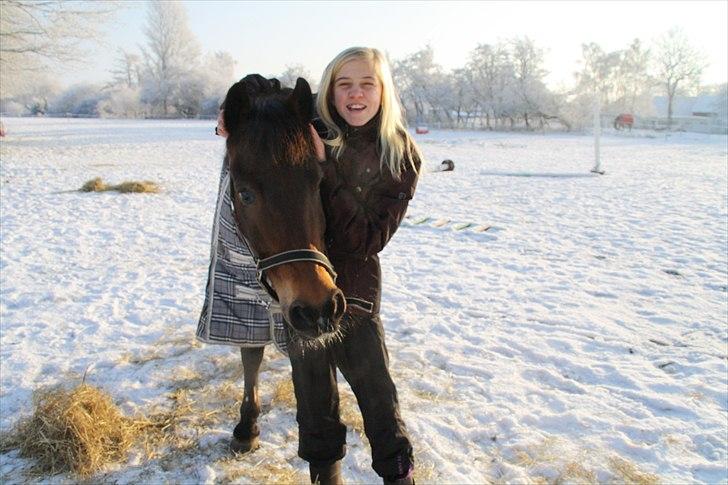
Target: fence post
<point>597,134</point>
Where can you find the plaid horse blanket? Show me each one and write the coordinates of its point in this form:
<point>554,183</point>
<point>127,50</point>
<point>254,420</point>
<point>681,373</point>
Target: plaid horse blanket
<point>237,310</point>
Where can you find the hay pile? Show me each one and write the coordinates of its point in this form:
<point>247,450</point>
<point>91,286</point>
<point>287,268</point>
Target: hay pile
<point>98,185</point>
<point>77,431</point>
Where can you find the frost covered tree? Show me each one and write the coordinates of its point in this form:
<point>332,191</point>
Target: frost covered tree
<point>127,70</point>
<point>599,71</point>
<point>122,102</point>
<point>217,72</point>
<point>595,83</point>
<point>490,75</point>
<point>123,92</point>
<point>293,72</point>
<point>462,96</point>
<point>78,100</point>
<point>501,83</point>
<point>531,95</point>
<point>415,76</point>
<point>507,83</point>
<point>679,66</point>
<point>170,55</point>
<point>633,82</point>
<point>38,94</point>
<point>620,79</point>
<point>39,35</point>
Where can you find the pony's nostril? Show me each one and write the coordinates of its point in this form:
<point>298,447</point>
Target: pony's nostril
<point>303,317</point>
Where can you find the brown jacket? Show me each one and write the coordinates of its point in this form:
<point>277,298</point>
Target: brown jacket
<point>364,205</point>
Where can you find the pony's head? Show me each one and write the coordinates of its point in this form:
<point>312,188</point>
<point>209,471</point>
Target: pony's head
<point>275,179</point>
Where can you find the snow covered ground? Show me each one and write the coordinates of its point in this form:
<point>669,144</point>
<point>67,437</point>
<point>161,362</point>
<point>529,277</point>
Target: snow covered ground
<point>583,338</point>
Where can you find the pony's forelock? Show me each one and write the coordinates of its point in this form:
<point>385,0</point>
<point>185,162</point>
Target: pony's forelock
<point>272,132</point>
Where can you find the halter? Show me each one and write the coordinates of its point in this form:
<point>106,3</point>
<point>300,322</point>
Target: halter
<point>284,257</point>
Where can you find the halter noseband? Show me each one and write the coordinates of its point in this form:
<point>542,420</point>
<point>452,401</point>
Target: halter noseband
<point>285,257</point>
<point>292,256</point>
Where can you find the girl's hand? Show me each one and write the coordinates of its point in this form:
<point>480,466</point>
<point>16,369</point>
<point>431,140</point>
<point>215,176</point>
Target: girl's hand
<point>319,144</point>
<point>220,128</point>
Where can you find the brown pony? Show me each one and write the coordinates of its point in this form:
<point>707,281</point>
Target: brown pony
<point>275,177</point>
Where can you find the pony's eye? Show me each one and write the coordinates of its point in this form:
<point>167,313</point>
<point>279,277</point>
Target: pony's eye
<point>247,197</point>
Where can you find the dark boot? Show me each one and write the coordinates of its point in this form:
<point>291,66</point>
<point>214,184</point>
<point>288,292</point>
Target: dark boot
<point>326,474</point>
<point>401,481</point>
<point>407,479</point>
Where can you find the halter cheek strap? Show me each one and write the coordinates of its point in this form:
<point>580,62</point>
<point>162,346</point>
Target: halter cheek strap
<point>285,257</point>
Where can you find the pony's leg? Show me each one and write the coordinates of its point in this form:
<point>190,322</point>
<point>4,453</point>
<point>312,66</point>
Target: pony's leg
<point>246,433</point>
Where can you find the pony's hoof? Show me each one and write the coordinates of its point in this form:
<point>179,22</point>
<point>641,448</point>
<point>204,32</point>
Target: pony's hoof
<point>244,446</point>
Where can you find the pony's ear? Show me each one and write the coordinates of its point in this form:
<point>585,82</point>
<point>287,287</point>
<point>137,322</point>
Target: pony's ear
<point>237,106</point>
<point>300,101</point>
<point>275,84</point>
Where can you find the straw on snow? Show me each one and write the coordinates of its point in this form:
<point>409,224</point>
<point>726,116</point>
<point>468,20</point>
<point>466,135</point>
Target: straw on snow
<point>98,185</point>
<point>78,431</point>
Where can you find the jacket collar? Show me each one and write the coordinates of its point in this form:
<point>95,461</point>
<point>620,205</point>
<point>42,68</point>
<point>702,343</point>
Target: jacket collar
<point>369,131</point>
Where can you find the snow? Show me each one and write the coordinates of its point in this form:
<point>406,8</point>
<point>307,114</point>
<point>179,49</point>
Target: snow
<point>582,338</point>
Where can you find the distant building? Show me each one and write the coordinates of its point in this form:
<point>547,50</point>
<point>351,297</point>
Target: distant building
<point>705,105</point>
<point>706,113</point>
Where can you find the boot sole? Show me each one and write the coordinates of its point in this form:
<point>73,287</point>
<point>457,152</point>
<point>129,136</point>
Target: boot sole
<point>244,446</point>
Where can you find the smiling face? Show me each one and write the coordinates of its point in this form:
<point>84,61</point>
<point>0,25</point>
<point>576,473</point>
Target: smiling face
<point>357,92</point>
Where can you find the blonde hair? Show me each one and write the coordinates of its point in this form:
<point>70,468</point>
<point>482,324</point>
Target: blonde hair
<point>395,143</point>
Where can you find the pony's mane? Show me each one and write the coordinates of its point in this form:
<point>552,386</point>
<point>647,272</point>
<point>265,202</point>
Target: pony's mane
<point>272,133</point>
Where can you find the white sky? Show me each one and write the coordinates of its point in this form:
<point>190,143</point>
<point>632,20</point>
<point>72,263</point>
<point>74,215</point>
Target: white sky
<point>264,37</point>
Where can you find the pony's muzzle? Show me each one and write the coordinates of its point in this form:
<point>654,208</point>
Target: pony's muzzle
<point>314,321</point>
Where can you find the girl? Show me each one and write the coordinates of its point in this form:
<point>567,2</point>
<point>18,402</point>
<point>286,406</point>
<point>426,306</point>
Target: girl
<point>370,173</point>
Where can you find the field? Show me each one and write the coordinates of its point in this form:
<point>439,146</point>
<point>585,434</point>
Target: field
<point>582,338</point>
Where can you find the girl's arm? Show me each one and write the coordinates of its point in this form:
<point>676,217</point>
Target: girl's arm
<point>361,225</point>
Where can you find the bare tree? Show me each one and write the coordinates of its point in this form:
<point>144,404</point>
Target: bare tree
<point>171,53</point>
<point>38,34</point>
<point>679,65</point>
